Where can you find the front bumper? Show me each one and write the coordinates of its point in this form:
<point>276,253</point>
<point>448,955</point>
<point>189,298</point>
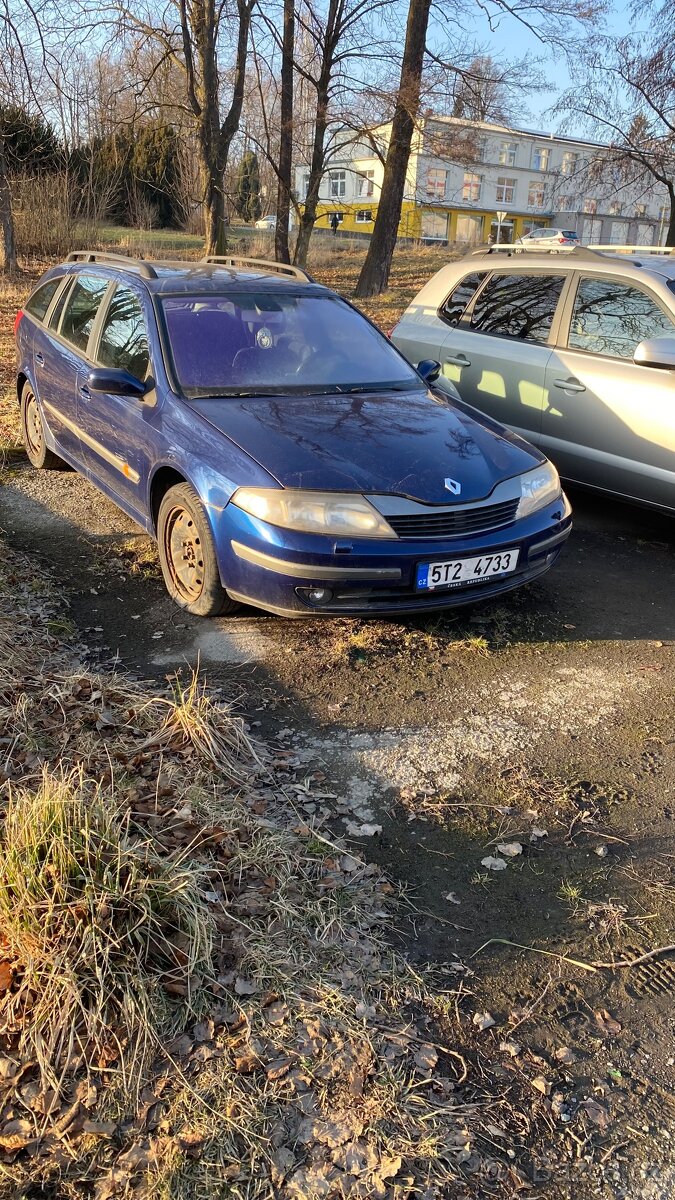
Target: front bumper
<point>278,571</point>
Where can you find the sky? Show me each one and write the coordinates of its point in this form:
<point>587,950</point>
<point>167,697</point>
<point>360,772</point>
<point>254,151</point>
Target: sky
<point>513,40</point>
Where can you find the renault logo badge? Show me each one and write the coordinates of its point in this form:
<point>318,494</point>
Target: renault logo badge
<point>453,486</point>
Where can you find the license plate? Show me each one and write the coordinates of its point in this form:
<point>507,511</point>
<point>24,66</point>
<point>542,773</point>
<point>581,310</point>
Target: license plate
<point>454,572</point>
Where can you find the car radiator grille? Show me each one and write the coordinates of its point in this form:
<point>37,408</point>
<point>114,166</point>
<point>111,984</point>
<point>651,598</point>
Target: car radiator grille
<point>446,524</point>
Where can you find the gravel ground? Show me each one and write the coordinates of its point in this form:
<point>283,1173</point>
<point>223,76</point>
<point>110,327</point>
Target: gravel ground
<point>545,721</point>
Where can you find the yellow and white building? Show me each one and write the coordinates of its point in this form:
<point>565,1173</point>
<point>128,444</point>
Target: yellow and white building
<point>469,181</point>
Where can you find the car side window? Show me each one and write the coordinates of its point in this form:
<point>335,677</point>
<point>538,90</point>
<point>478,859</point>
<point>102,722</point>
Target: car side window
<point>451,310</point>
<point>41,299</point>
<point>611,317</point>
<point>124,337</point>
<point>58,308</point>
<point>518,306</point>
<point>81,309</point>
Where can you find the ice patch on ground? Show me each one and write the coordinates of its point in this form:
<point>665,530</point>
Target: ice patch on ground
<point>511,722</point>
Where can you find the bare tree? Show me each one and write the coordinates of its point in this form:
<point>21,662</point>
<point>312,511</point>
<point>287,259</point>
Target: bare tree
<point>375,271</point>
<point>285,135</point>
<point>626,96</point>
<point>190,34</point>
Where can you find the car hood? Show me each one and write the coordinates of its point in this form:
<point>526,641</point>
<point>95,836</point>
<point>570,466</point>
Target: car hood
<point>402,443</point>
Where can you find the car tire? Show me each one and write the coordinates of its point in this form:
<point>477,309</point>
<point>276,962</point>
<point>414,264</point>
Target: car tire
<point>33,434</point>
<point>187,555</point>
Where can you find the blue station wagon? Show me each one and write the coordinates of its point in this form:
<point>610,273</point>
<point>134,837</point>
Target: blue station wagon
<point>280,449</point>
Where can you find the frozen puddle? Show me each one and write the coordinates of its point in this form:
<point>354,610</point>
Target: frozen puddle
<point>511,722</point>
<point>236,646</point>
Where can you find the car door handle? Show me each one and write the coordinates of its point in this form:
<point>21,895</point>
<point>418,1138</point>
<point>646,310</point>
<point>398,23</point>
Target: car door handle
<point>84,392</point>
<point>570,385</point>
<point>39,358</point>
<point>458,360</point>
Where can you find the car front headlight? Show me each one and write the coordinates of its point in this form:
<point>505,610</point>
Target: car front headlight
<point>538,488</point>
<point>335,514</point>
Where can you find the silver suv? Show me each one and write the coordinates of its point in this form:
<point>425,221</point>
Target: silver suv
<point>576,353</point>
<point>548,239</point>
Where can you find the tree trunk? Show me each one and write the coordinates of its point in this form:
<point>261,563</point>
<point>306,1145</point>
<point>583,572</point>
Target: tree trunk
<point>281,248</point>
<point>374,275</point>
<point>214,210</point>
<point>10,264</point>
<point>316,172</point>
<point>670,236</point>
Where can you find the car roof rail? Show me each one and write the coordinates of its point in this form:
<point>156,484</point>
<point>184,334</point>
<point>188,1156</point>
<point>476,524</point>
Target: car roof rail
<point>509,249</point>
<point>103,256</point>
<point>264,264</point>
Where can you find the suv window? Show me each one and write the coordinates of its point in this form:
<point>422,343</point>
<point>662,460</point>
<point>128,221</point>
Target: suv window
<point>611,317</point>
<point>519,306</point>
<point>124,337</point>
<point>452,308</point>
<point>41,299</point>
<point>80,311</point>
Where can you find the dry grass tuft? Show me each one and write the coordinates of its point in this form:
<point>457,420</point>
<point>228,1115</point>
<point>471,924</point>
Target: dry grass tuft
<point>93,923</point>
<point>193,720</point>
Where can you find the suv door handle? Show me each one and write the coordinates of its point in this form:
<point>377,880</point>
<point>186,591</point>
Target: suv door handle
<point>458,360</point>
<point>570,385</point>
<point>39,358</point>
<point>84,392</point>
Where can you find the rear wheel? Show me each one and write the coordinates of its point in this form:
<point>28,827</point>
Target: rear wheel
<point>187,555</point>
<point>33,434</point>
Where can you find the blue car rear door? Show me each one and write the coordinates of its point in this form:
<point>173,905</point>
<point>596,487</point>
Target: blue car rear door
<point>60,352</point>
<point>122,438</point>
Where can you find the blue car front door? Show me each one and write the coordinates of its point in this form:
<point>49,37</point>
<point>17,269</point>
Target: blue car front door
<point>120,433</point>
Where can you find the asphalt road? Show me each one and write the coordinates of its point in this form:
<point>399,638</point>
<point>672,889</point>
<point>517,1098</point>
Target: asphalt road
<point>546,719</point>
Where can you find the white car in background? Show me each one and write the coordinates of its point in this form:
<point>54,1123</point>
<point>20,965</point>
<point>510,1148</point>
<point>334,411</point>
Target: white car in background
<point>546,238</point>
<point>268,222</point>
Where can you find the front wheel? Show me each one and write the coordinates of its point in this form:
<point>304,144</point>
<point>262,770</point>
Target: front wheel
<point>33,434</point>
<point>187,555</point>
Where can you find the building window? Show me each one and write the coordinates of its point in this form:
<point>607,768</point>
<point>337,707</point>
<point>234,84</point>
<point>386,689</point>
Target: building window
<point>305,185</point>
<point>615,208</point>
<point>434,227</point>
<point>366,183</point>
<point>540,158</point>
<point>507,154</point>
<point>590,206</point>
<point>364,216</point>
<point>535,194</point>
<point>640,210</point>
<point>506,189</point>
<point>472,186</point>
<point>436,183</point>
<point>568,203</point>
<point>481,149</point>
<point>338,183</point>
<point>664,212</point>
<point>569,163</point>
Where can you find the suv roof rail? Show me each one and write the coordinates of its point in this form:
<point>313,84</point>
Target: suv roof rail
<point>509,249</point>
<point>133,264</point>
<point>265,264</point>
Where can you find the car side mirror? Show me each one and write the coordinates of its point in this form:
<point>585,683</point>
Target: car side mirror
<point>656,352</point>
<point>429,369</point>
<point>116,381</point>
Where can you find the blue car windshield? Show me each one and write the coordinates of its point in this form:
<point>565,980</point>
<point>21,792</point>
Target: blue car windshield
<point>242,343</point>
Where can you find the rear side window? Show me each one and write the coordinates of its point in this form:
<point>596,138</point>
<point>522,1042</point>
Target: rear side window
<point>569,233</point>
<point>41,299</point>
<point>610,317</point>
<point>518,306</point>
<point>451,310</point>
<point>124,337</point>
<point>81,309</point>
